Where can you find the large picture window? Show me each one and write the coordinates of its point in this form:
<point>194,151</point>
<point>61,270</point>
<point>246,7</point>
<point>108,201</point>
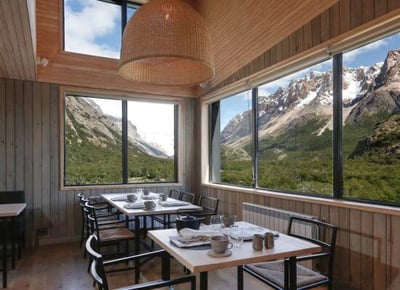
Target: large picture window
<point>371,115</point>
<point>111,141</point>
<point>332,129</point>
<point>295,131</point>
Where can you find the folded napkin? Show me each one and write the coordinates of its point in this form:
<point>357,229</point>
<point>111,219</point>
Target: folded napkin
<point>180,242</point>
<point>192,239</point>
<point>134,205</point>
<point>247,233</point>
<point>187,234</point>
<point>151,195</point>
<point>173,203</point>
<point>119,198</point>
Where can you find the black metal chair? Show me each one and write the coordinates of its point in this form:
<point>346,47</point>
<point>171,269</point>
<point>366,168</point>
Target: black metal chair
<point>210,207</point>
<point>187,196</point>
<point>108,232</point>
<point>319,268</point>
<point>173,193</point>
<point>99,273</point>
<point>104,214</point>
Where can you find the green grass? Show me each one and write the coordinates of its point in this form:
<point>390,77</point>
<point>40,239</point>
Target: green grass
<point>301,161</point>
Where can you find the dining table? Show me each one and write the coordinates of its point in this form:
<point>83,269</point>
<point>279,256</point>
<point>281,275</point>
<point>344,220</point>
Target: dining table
<point>8,213</point>
<point>198,259</point>
<point>137,210</point>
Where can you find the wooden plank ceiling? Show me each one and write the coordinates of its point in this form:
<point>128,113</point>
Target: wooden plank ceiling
<point>241,30</point>
<point>17,39</point>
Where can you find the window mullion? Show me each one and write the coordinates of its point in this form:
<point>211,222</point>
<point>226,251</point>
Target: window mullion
<point>337,126</point>
<point>254,98</point>
<point>124,141</point>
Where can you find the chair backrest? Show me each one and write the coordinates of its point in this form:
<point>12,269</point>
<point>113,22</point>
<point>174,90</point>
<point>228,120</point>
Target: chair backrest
<point>91,219</point>
<point>173,193</point>
<point>209,204</point>
<point>187,196</point>
<point>320,233</point>
<point>96,267</point>
<point>12,196</point>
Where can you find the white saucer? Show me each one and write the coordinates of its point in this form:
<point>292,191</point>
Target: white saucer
<point>227,253</point>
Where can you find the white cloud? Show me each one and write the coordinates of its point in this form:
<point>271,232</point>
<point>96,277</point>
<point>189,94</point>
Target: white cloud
<point>84,26</point>
<point>352,55</point>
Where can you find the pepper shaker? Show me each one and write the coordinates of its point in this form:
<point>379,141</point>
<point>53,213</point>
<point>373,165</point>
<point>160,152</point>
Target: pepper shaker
<point>269,240</point>
<point>258,242</point>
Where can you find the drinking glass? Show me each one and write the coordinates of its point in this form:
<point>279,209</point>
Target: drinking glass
<point>215,221</point>
<point>236,235</point>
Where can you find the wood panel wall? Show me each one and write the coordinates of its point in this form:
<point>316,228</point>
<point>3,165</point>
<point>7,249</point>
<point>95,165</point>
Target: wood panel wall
<point>324,29</point>
<point>29,159</point>
<point>368,243</point>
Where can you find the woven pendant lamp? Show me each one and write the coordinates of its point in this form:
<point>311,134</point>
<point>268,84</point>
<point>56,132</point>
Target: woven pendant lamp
<point>166,42</point>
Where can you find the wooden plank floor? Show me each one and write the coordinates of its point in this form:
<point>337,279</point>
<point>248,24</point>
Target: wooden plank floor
<point>62,267</point>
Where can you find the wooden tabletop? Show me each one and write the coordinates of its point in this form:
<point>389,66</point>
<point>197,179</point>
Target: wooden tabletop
<point>119,204</point>
<point>11,209</point>
<point>197,259</point>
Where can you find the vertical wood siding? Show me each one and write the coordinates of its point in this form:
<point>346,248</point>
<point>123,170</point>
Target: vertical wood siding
<point>29,159</point>
<point>368,244</point>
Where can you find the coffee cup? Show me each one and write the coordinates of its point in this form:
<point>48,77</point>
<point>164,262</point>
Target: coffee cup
<point>146,191</point>
<point>131,197</point>
<point>163,197</point>
<point>219,244</point>
<point>149,204</point>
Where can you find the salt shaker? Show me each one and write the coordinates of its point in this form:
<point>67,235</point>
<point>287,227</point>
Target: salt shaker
<point>258,242</point>
<point>269,240</point>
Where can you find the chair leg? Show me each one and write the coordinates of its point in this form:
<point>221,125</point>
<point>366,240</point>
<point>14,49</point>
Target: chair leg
<point>82,237</point>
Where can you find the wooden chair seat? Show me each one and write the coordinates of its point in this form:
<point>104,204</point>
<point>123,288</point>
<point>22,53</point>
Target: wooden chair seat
<point>275,272</point>
<point>113,234</point>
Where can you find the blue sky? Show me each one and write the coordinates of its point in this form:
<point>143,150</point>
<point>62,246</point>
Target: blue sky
<point>101,35</point>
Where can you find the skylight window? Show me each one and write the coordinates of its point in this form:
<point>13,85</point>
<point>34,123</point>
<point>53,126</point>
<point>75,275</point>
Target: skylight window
<point>93,27</point>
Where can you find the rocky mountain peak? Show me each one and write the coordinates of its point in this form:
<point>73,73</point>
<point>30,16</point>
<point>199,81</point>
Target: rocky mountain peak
<point>390,71</point>
<point>85,119</point>
<point>366,90</point>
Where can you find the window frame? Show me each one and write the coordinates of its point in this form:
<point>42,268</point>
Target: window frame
<point>84,92</point>
<point>337,115</point>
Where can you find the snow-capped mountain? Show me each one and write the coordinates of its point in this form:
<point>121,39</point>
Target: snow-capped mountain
<point>366,91</point>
